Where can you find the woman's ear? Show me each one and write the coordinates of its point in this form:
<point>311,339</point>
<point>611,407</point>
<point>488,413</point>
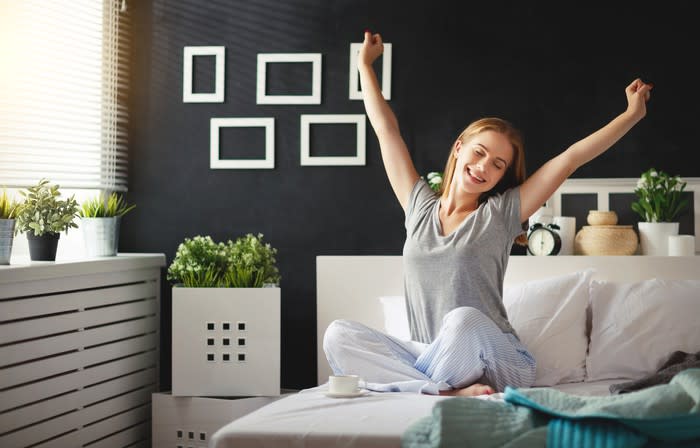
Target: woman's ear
<point>456,147</point>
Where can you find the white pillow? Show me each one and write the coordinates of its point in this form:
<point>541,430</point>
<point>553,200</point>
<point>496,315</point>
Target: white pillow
<point>395,317</point>
<point>549,316</point>
<point>636,326</point>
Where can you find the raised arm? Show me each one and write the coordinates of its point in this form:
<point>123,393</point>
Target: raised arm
<point>397,161</point>
<point>545,181</point>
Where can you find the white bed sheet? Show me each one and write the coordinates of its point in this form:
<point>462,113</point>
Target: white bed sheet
<point>375,420</point>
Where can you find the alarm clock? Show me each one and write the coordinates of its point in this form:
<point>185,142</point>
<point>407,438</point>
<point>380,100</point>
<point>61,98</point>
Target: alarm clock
<point>543,239</point>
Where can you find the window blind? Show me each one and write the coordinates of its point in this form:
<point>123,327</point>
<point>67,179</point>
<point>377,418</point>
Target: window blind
<point>63,93</point>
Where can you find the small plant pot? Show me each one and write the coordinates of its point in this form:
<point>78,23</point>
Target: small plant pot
<point>653,237</point>
<point>7,233</point>
<point>101,236</point>
<point>43,247</point>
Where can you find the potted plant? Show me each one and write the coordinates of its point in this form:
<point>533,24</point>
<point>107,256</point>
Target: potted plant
<point>7,226</point>
<point>225,317</point>
<point>43,216</point>
<point>659,201</point>
<point>100,219</point>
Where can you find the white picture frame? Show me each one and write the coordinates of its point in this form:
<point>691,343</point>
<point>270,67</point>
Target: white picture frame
<point>354,91</point>
<point>357,160</point>
<point>273,58</point>
<point>188,96</point>
<point>215,162</point>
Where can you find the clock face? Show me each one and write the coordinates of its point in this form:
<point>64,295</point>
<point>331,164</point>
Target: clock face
<point>541,242</point>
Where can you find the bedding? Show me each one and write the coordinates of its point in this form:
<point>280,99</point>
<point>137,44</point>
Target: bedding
<point>549,316</point>
<point>636,326</point>
<point>376,420</point>
<point>663,415</point>
<point>677,362</point>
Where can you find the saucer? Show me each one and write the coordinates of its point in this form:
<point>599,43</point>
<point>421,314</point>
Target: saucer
<point>357,393</point>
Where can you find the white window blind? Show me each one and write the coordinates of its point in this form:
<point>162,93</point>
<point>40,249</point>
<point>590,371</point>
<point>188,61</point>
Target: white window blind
<point>63,93</point>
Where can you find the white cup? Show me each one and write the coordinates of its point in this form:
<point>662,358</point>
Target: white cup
<point>567,232</point>
<point>681,245</point>
<point>343,384</point>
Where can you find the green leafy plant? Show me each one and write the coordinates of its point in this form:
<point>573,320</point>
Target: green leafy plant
<point>251,262</point>
<point>99,207</point>
<point>43,212</point>
<point>247,262</point>
<point>434,179</point>
<point>659,196</point>
<point>8,206</point>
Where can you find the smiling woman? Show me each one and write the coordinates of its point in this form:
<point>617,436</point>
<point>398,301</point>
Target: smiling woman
<point>456,251</point>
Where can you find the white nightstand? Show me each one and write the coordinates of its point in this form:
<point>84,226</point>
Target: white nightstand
<point>188,422</point>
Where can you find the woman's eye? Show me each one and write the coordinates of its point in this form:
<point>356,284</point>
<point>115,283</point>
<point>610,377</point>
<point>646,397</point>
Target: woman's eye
<point>498,166</point>
<point>479,152</point>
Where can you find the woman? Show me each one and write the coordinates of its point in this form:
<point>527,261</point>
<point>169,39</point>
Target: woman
<point>456,251</point>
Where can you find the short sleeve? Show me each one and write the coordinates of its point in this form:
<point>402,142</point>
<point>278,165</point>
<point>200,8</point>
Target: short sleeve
<point>420,200</point>
<point>507,205</point>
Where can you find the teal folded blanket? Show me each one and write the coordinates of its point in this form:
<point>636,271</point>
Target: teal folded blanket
<point>667,415</point>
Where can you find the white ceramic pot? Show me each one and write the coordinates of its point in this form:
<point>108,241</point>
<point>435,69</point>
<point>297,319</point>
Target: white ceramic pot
<point>653,237</point>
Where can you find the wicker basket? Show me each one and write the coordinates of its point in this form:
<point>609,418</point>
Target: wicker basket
<point>606,240</point>
<point>601,218</point>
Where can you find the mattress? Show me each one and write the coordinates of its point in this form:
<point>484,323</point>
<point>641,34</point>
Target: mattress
<point>311,419</point>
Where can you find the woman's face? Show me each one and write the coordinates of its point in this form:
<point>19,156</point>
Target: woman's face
<point>482,160</point>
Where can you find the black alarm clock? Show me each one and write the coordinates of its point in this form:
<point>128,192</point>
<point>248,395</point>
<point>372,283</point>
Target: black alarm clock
<point>543,239</point>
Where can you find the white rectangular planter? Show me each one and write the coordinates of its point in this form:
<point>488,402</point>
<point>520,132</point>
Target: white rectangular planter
<point>225,342</point>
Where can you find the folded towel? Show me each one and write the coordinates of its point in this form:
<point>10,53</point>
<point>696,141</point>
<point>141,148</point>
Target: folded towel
<point>676,363</point>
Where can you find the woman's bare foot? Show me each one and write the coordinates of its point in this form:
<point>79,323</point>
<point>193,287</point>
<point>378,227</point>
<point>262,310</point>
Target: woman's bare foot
<point>471,391</point>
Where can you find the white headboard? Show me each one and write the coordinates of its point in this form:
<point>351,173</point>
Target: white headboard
<point>349,287</point>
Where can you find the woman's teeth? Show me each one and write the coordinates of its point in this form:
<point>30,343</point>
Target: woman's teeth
<point>475,177</point>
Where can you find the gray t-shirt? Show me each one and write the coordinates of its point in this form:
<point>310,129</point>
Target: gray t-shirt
<point>465,268</point>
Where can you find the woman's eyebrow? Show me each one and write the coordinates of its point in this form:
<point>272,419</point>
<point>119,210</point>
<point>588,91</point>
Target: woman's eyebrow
<point>487,150</point>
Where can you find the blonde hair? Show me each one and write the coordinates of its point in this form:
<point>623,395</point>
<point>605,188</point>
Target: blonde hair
<point>515,172</point>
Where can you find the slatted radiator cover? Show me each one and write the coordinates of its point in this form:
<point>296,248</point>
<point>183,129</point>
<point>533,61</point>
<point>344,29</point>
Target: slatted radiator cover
<point>79,352</point>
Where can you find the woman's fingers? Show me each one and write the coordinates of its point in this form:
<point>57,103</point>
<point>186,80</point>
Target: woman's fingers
<point>644,89</point>
<point>640,87</point>
<point>373,39</point>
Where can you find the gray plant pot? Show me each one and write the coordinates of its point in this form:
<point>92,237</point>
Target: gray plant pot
<point>7,234</point>
<point>101,236</point>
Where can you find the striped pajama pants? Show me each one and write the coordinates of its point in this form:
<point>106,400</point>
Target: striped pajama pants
<point>469,348</point>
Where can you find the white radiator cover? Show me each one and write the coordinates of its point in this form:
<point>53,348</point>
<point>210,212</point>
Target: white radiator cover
<point>79,351</point>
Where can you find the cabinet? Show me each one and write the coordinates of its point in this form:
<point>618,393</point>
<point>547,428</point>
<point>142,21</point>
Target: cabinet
<point>189,422</point>
<point>79,351</point>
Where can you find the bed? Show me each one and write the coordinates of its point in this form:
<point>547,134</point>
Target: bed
<point>590,322</point>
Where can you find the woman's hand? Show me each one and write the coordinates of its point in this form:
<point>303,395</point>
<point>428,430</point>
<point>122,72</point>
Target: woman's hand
<point>371,49</point>
<point>638,94</point>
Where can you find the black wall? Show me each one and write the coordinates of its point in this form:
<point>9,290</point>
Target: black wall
<point>556,70</point>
